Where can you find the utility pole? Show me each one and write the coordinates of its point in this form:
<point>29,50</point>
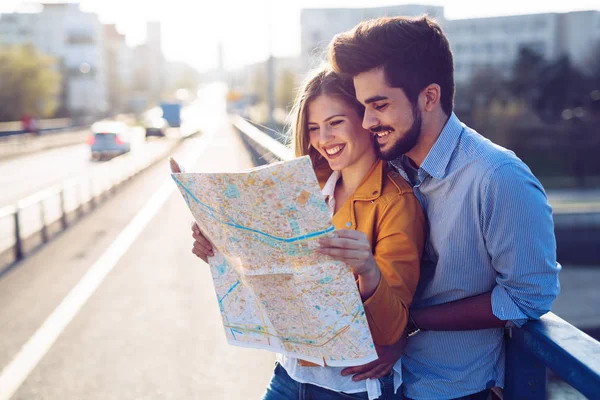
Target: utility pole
<point>270,70</point>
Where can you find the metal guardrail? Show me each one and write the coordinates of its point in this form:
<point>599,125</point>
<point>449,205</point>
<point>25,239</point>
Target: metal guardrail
<point>51,210</point>
<point>259,141</point>
<point>550,342</point>
<point>45,125</point>
<point>26,143</point>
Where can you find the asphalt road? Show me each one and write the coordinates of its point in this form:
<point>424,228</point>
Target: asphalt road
<point>25,175</point>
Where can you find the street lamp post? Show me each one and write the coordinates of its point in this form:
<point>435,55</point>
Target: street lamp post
<point>85,69</point>
<point>270,70</point>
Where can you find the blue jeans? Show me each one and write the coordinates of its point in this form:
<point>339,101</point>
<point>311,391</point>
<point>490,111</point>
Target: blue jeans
<point>283,387</point>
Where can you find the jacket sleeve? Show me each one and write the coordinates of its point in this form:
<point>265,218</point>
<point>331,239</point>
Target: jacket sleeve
<point>399,244</point>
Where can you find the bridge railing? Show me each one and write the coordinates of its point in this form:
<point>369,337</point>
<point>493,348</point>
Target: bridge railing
<point>34,220</point>
<point>550,342</point>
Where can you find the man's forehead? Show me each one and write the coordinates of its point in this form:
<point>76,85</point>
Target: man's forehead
<point>370,83</point>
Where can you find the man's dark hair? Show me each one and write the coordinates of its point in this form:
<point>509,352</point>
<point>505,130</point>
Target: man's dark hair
<point>414,53</point>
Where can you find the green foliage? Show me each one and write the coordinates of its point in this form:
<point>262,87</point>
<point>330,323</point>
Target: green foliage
<point>29,83</point>
<point>286,89</point>
<point>547,111</point>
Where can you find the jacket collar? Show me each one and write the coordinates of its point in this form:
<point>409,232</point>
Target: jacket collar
<point>370,187</point>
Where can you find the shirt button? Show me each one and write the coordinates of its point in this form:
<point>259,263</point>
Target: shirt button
<point>348,224</point>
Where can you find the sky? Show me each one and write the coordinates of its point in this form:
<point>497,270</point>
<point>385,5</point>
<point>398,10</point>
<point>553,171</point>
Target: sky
<point>192,29</point>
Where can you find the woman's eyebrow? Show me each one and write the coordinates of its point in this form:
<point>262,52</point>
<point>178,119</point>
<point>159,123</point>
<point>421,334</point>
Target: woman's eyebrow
<point>328,118</point>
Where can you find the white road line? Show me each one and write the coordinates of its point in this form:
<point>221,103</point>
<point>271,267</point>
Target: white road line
<point>15,373</point>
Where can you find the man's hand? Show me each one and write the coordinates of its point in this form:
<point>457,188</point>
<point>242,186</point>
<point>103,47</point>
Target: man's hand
<point>388,355</point>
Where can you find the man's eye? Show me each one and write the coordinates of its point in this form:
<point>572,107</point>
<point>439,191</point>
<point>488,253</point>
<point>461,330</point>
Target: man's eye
<point>380,107</point>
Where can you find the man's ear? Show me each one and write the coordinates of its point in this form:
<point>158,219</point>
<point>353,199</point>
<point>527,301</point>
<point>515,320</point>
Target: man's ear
<point>431,96</point>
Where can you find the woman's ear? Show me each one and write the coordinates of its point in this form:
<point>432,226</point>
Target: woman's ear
<point>431,96</point>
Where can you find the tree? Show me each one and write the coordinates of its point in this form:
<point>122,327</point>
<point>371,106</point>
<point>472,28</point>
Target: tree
<point>562,86</point>
<point>30,83</point>
<point>259,84</point>
<point>286,89</point>
<point>526,74</point>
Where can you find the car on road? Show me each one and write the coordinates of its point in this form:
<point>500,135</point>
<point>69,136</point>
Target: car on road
<point>156,126</point>
<point>109,139</point>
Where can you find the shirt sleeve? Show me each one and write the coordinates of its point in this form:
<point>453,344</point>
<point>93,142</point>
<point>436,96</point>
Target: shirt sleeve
<point>398,249</point>
<point>519,233</point>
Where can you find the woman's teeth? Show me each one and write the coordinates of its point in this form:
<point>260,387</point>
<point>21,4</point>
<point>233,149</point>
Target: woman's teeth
<point>334,150</point>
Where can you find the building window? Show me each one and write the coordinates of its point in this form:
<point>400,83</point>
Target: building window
<point>80,38</point>
<point>538,47</point>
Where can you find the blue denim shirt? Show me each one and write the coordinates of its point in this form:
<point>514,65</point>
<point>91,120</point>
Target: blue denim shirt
<point>490,229</point>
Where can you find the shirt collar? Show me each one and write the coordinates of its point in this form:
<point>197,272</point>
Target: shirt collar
<point>329,188</point>
<point>437,160</point>
<point>369,189</point>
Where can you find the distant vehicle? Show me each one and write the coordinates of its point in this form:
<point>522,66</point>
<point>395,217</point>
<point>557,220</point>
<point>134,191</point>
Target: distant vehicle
<point>172,114</point>
<point>109,139</point>
<point>156,127</point>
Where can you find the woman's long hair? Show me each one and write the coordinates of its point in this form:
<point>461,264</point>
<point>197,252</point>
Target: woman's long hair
<point>323,81</point>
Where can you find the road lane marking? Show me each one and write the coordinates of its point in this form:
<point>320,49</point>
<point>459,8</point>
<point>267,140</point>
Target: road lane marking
<point>15,373</point>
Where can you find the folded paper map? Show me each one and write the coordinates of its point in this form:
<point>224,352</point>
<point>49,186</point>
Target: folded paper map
<point>273,290</point>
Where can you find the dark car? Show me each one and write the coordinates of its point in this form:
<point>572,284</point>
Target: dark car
<point>156,127</point>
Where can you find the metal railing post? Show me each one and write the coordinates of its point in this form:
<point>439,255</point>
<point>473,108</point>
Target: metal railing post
<point>92,198</point>
<point>18,242</point>
<point>63,211</point>
<point>44,230</point>
<point>525,374</point>
<point>80,210</point>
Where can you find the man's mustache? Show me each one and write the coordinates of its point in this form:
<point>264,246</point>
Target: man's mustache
<point>380,128</point>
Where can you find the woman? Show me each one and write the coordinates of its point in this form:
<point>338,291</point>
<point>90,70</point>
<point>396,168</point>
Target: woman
<point>380,229</point>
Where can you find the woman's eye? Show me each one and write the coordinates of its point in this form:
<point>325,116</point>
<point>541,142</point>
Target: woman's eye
<point>334,123</point>
<point>313,128</point>
<point>380,107</point>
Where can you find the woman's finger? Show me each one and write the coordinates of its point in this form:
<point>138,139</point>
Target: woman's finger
<point>208,251</point>
<point>340,243</point>
<point>201,247</point>
<point>202,239</point>
<point>342,253</point>
<point>200,255</point>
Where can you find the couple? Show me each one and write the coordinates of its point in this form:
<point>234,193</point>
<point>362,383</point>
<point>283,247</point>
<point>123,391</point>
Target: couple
<point>489,256</point>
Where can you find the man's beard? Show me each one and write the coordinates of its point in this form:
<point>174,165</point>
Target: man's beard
<point>405,143</point>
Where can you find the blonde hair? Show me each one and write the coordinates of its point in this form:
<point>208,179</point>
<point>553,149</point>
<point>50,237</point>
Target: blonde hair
<point>322,81</point>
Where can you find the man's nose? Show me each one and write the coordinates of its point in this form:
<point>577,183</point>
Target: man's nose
<point>369,120</point>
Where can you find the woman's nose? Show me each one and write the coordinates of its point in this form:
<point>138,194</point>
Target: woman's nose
<point>325,134</point>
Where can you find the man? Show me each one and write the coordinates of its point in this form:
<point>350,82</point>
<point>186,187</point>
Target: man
<point>490,256</point>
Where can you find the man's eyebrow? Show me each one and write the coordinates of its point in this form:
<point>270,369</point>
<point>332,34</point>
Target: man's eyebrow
<point>375,98</point>
<point>329,118</point>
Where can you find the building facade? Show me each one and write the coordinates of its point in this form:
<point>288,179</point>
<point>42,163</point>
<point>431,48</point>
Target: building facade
<point>494,43</point>
<point>477,43</point>
<point>320,25</point>
<point>76,40</point>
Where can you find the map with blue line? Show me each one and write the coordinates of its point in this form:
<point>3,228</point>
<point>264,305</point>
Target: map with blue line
<point>273,290</point>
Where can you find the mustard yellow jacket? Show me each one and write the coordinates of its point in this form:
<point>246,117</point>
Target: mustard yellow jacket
<point>385,209</point>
